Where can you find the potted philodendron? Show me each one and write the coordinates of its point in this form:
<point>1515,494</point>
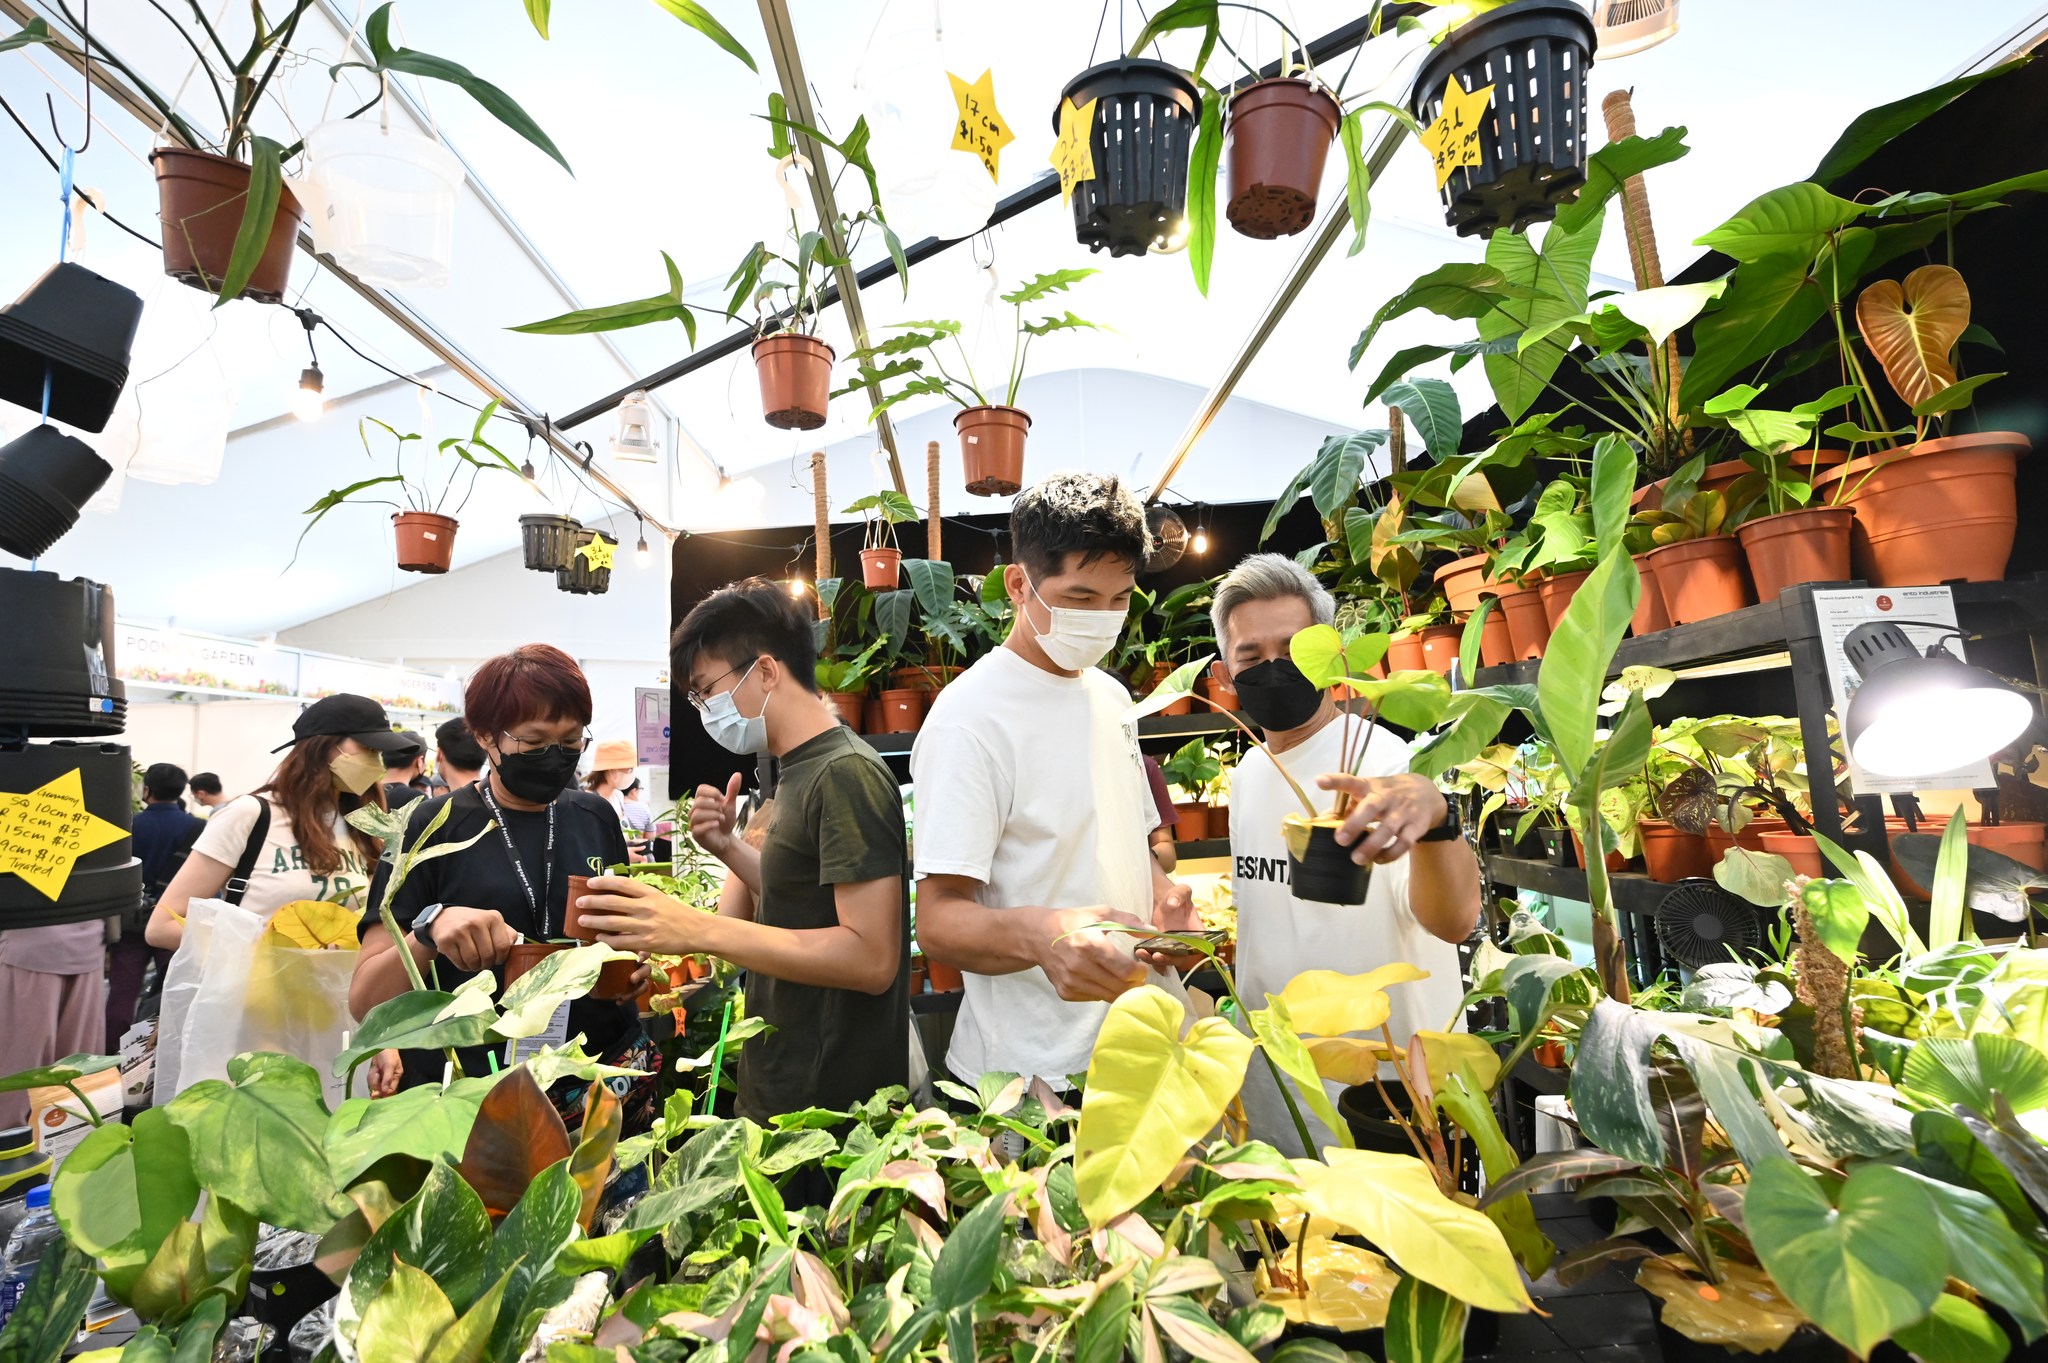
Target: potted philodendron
<point>1193,771</point>
<point>1787,537</point>
<point>845,681</point>
<point>1698,566</point>
<point>425,532</point>
<point>992,427</point>
<point>881,561</point>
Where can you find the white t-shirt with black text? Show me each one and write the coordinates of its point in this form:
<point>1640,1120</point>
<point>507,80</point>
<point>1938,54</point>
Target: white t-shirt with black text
<point>281,875</point>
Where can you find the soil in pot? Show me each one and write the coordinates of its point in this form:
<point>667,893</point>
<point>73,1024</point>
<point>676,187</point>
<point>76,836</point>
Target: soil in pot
<point>1810,544</point>
<point>1496,640</point>
<point>1670,854</point>
<point>1700,579</point>
<point>849,704</point>
<point>881,569</point>
<point>945,978</point>
<point>1649,616</point>
<point>992,449</point>
<point>1440,648</point>
<point>1528,623</point>
<point>1405,654</point>
<point>1185,705</point>
<point>1277,142</point>
<point>1216,686</point>
<point>1800,849</point>
<point>200,200</point>
<point>1319,870</point>
<point>796,379</point>
<point>426,541</point>
<point>1194,822</point>
<point>1556,593</point>
<point>902,710</point>
<point>521,957</point>
<point>1939,511</point>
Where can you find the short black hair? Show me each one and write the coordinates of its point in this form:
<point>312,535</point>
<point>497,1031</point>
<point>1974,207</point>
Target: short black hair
<point>163,781</point>
<point>1089,514</point>
<point>405,757</point>
<point>204,783</point>
<point>458,746</point>
<point>739,623</point>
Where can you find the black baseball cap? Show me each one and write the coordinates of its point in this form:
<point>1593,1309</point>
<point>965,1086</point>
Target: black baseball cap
<point>347,716</point>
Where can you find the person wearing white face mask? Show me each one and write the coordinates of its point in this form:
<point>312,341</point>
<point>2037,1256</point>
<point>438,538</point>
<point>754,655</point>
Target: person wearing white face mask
<point>825,931</point>
<point>1032,802</point>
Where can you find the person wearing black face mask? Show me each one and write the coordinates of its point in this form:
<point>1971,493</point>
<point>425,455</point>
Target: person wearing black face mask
<point>1424,893</point>
<point>461,913</point>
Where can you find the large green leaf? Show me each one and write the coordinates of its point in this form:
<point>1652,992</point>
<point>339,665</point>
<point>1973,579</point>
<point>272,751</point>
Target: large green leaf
<point>1150,1095</point>
<point>1944,1071</point>
<point>1575,662</point>
<point>443,1231</point>
<point>1955,1332</point>
<point>1793,220</point>
<point>1839,914</point>
<point>419,1019</point>
<point>427,1123</point>
<point>259,215</point>
<point>1945,908</point>
<point>1614,478</point>
<point>966,1264</point>
<point>1612,166</point>
<point>1988,1254</point>
<point>1431,406</point>
<point>1460,290</point>
<point>1879,894</point>
<point>495,102</point>
<point>256,1140</point>
<point>69,1070</point>
<point>638,312</point>
<point>120,1193</point>
<point>1413,357</point>
<point>1282,1044</point>
<point>524,1249</point>
<point>1862,1265</point>
<point>1875,127</point>
<point>1948,1151</point>
<point>1610,1083</point>
<point>1357,180</point>
<point>1414,699</point>
<point>1465,1099</point>
<point>1204,160</point>
<point>531,1000</point>
<point>1338,467</point>
<point>1554,281</point>
<point>699,18</point>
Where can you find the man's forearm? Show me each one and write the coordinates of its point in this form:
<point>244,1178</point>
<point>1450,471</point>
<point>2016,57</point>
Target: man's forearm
<point>1443,888</point>
<point>829,958</point>
<point>745,862</point>
<point>974,937</point>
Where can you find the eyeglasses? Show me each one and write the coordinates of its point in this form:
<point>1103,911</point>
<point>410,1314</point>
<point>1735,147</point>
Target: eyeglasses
<point>527,745</point>
<point>700,698</point>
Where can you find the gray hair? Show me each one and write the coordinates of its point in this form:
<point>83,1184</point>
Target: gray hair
<point>1267,577</point>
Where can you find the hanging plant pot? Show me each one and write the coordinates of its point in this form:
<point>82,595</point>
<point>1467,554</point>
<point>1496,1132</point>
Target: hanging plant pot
<point>383,201</point>
<point>1700,579</point>
<point>1938,511</point>
<point>58,676</point>
<point>46,478</point>
<point>881,568</point>
<point>547,540</point>
<point>200,199</point>
<point>426,540</point>
<point>1528,625</point>
<point>1650,616</point>
<point>1440,648</point>
<point>104,881</point>
<point>580,578</point>
<point>1532,133</point>
<point>1556,593</point>
<point>796,379</point>
<point>75,329</point>
<point>1143,130</point>
<point>992,449</point>
<point>1278,139</point>
<point>1318,869</point>
<point>1810,544</point>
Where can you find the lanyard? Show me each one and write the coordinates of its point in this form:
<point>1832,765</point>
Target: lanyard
<point>537,903</point>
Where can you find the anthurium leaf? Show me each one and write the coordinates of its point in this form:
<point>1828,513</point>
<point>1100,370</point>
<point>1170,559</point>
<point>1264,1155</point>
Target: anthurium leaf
<point>1863,871</point>
<point>1331,1003</point>
<point>1609,168</point>
<point>1996,884</point>
<point>1462,1094</point>
<point>1357,188</point>
<point>638,312</point>
<point>1283,1046</point>
<point>1574,669</point>
<point>1988,1254</point>
<point>495,102</point>
<point>34,31</point>
<point>1912,326</point>
<point>1661,311</point>
<point>1150,1096</point>
<point>1955,397</point>
<point>259,215</point>
<point>1955,1332</point>
<point>1791,221</point>
<point>1468,642</point>
<point>1425,1324</point>
<point>255,1139</point>
<point>1176,684</point>
<point>701,19</point>
<point>1552,1166</point>
<point>1460,291</point>
<point>1552,284</point>
<point>1335,474</point>
<point>966,1263</point>
<point>1431,406</point>
<point>1413,699</point>
<point>1875,127</point>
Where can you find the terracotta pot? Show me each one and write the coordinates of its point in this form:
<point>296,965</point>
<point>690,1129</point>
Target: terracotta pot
<point>426,541</point>
<point>1276,143</point>
<point>1440,647</point>
<point>1549,1054</point>
<point>1807,545</point>
<point>881,569</point>
<point>849,704</point>
<point>1194,822</point>
<point>1615,860</point>
<point>696,968</point>
<point>924,678</point>
<point>1216,686</point>
<point>1219,821</point>
<point>992,449</point>
<point>572,917</point>
<point>1496,640</point>
<point>1751,838</point>
<point>200,199</point>
<point>521,957</point>
<point>1649,616</point>
<point>1463,582</point>
<point>945,978</point>
<point>796,379</point>
<point>917,980</point>
<point>1800,849</point>
<point>615,981</point>
<point>870,716</point>
<point>1700,579</point>
<point>1185,705</point>
<point>1556,592</point>
<point>1939,511</point>
<point>1672,854</point>
<point>1722,476</point>
<point>1528,623</point>
<point>902,710</point>
<point>1405,654</point>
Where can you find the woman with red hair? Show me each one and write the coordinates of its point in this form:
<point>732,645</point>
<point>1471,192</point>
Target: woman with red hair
<point>461,913</point>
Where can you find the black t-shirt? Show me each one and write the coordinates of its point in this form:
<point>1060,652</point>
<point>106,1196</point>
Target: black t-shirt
<point>397,795</point>
<point>482,877</point>
<point>837,820</point>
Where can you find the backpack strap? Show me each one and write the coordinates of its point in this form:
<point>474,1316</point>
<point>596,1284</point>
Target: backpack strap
<point>238,883</point>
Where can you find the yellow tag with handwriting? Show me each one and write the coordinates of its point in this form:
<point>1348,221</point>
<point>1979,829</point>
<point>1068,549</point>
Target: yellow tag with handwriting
<point>1073,155</point>
<point>598,553</point>
<point>43,833</point>
<point>1453,140</point>
<point>979,127</point>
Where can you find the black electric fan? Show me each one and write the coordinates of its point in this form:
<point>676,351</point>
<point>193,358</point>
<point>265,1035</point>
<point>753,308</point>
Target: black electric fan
<point>1699,923</point>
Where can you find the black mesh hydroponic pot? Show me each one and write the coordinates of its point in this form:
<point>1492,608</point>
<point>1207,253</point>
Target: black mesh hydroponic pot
<point>1145,117</point>
<point>579,577</point>
<point>1532,139</point>
<point>547,540</point>
<point>57,678</point>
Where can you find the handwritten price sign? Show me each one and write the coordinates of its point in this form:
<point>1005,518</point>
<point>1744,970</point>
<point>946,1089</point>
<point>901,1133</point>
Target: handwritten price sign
<point>1072,155</point>
<point>44,832</point>
<point>980,128</point>
<point>1453,140</point>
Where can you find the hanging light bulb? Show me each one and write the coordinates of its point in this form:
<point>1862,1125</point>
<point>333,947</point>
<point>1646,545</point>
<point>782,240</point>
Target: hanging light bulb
<point>309,399</point>
<point>796,587</point>
<point>1200,543</point>
<point>641,556</point>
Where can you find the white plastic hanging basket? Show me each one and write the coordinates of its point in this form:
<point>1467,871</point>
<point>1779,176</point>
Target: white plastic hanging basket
<point>383,202</point>
<point>1630,26</point>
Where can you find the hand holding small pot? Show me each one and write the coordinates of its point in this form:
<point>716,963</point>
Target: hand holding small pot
<point>631,915</point>
<point>1086,963</point>
<point>1387,814</point>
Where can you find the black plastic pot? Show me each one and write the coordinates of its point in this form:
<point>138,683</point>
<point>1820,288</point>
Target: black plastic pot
<point>57,675</point>
<point>282,1297</point>
<point>1532,138</point>
<point>46,478</point>
<point>76,328</point>
<point>1557,847</point>
<point>104,882</point>
<point>1146,113</point>
<point>578,576</point>
<point>547,540</point>
<point>1325,872</point>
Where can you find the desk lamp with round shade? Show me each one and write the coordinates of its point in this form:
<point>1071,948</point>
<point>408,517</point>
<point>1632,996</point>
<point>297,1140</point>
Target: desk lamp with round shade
<point>1923,714</point>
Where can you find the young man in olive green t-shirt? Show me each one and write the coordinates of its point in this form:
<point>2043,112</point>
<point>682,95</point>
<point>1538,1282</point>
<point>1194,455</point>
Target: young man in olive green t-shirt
<point>824,932</point>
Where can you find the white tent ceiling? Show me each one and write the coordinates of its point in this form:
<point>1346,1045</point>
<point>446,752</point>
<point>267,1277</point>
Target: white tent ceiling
<point>669,155</point>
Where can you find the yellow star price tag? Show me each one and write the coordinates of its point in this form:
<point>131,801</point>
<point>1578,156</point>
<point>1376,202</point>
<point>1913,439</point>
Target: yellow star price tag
<point>1072,155</point>
<point>979,128</point>
<point>1453,140</point>
<point>598,553</point>
<point>43,833</point>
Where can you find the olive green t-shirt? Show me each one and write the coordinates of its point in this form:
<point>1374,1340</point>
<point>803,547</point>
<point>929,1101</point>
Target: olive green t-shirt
<point>837,820</point>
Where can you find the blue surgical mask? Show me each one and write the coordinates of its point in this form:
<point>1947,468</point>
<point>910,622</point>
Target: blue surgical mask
<point>731,730</point>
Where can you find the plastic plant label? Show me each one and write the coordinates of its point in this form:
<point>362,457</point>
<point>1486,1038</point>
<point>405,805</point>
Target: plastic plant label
<point>43,833</point>
<point>522,1049</point>
<point>980,127</point>
<point>1073,154</point>
<point>1453,140</point>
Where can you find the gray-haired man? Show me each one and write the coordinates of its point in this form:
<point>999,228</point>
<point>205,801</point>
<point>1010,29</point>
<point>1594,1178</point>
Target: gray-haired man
<point>1425,889</point>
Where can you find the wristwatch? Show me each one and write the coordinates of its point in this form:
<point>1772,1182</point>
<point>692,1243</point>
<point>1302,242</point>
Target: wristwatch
<point>423,925</point>
<point>1443,832</point>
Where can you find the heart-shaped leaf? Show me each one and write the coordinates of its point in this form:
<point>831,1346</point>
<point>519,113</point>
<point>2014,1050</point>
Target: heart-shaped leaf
<point>1911,325</point>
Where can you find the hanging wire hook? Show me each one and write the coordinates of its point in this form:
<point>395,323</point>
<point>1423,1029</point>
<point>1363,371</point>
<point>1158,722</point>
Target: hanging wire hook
<point>85,52</point>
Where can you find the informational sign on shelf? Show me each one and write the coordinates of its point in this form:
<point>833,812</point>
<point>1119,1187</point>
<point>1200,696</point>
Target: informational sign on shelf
<point>650,725</point>
<point>1926,615</point>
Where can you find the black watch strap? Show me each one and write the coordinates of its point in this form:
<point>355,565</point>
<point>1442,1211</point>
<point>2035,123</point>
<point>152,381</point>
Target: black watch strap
<point>1446,830</point>
<point>423,925</point>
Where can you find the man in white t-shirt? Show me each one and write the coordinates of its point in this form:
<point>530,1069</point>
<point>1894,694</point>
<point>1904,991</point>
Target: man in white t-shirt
<point>1032,802</point>
<point>1424,894</point>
